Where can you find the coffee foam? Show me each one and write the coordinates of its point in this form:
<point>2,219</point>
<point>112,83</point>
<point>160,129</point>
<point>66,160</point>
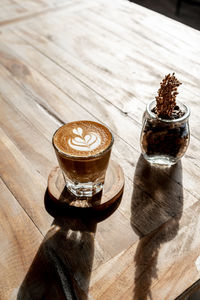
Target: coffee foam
<point>82,138</point>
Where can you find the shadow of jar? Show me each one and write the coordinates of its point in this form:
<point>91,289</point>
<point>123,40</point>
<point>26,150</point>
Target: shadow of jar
<point>156,208</point>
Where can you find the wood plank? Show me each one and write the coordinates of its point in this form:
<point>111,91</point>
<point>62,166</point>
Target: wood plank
<point>26,184</point>
<point>127,160</point>
<point>38,68</point>
<point>108,112</point>
<point>19,239</point>
<point>129,157</point>
<point>122,240</point>
<point>35,148</point>
<point>38,161</point>
<point>143,20</point>
<point>38,213</point>
<point>194,130</point>
<point>62,266</point>
<point>160,266</point>
<point>42,167</point>
<point>101,253</point>
<point>20,245</point>
<point>45,123</point>
<point>11,11</point>
<point>100,27</point>
<point>19,12</point>
<point>64,261</point>
<point>44,94</point>
<point>120,91</point>
<point>108,224</point>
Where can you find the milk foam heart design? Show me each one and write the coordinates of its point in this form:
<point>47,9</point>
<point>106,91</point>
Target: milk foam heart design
<point>78,131</point>
<point>84,143</point>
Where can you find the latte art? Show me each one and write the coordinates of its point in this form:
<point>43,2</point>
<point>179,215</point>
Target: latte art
<point>82,138</point>
<point>88,142</point>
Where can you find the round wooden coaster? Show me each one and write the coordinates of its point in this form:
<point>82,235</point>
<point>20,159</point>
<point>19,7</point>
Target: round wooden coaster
<point>113,189</point>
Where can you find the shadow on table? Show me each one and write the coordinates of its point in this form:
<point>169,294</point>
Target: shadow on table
<point>156,209</point>
<point>62,266</point>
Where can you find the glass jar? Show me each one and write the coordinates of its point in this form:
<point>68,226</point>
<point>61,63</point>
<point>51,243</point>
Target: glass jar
<point>164,141</point>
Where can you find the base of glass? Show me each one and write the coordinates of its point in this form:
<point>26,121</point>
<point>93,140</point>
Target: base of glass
<point>161,160</point>
<point>84,190</point>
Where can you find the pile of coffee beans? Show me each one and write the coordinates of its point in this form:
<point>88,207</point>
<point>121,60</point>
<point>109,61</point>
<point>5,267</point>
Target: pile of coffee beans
<point>162,138</point>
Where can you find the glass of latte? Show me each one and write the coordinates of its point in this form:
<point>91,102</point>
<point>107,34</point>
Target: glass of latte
<point>83,150</point>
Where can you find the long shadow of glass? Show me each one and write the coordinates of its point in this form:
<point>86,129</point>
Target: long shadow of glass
<point>62,266</point>
<point>156,208</point>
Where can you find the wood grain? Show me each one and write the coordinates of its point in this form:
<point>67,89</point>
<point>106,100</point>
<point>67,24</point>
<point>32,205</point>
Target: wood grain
<point>18,11</point>
<point>26,184</point>
<point>126,160</point>
<point>145,264</point>
<point>30,150</point>
<point>67,60</point>
<point>108,112</point>
<point>19,240</point>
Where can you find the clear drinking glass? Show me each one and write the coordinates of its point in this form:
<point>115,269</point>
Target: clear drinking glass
<point>84,175</point>
<point>164,141</point>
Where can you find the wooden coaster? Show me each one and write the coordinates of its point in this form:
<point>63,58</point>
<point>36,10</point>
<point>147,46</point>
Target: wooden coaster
<point>113,189</point>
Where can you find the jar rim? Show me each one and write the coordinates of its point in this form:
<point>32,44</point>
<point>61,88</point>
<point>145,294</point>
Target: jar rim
<point>152,104</point>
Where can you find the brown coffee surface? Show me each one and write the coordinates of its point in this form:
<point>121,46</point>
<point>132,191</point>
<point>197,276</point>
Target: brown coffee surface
<point>82,138</point>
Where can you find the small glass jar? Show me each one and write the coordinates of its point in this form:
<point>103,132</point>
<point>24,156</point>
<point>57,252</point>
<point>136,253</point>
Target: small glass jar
<point>164,141</point>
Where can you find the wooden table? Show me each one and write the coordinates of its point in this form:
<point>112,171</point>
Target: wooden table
<point>99,60</point>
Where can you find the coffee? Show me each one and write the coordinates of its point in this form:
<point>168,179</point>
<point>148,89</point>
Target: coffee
<point>83,150</point>
<point>82,138</point>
